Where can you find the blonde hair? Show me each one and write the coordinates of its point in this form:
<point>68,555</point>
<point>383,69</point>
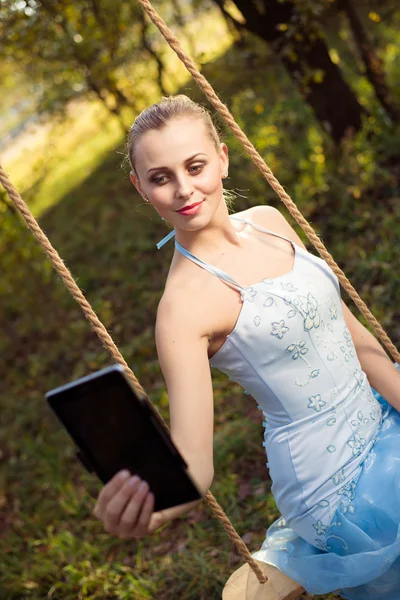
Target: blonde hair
<point>156,116</point>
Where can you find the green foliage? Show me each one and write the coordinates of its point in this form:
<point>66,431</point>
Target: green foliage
<point>91,48</point>
<point>70,47</point>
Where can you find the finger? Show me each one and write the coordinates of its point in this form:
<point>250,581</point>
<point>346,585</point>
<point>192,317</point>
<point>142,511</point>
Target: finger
<point>109,491</point>
<point>133,510</point>
<point>147,511</point>
<point>142,526</point>
<point>115,508</point>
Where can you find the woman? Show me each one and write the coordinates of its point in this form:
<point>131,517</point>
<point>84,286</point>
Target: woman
<point>269,314</point>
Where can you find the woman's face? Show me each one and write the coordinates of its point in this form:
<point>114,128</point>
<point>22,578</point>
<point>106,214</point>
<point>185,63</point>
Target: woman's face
<point>179,166</point>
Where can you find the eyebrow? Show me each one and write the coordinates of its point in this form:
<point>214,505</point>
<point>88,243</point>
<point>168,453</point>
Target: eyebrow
<point>186,161</point>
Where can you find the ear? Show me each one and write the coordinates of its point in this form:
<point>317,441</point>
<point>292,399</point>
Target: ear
<point>224,157</point>
<point>135,181</point>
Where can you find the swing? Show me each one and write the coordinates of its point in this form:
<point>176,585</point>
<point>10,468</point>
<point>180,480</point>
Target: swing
<point>255,580</point>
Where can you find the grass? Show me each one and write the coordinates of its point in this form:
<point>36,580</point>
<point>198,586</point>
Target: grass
<point>50,544</point>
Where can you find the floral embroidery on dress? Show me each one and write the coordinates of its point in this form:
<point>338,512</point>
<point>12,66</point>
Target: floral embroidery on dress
<point>336,524</point>
<point>345,506</point>
<point>334,392</point>
<point>298,350</point>
<point>279,329</point>
<point>314,373</point>
<point>357,443</point>
<point>310,307</point>
<point>331,422</point>
<point>257,320</point>
<point>338,477</point>
<point>333,310</point>
<point>320,528</point>
<point>336,537</point>
<point>360,418</point>
<point>322,545</point>
<point>348,490</point>
<point>346,356</point>
<point>269,302</point>
<point>347,336</point>
<point>376,414</point>
<point>360,380</point>
<point>247,294</point>
<point>331,448</point>
<point>316,402</point>
<point>289,287</point>
<point>267,281</point>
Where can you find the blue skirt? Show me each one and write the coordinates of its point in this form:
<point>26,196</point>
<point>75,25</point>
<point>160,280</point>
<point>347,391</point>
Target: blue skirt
<point>363,561</point>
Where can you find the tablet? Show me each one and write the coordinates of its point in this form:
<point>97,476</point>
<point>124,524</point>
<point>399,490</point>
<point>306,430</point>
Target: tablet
<point>115,429</point>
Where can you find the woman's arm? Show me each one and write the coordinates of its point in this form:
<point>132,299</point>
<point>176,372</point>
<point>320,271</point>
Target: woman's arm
<point>379,368</point>
<point>183,355</point>
<point>125,507</point>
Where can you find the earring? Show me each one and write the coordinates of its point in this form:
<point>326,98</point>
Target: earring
<point>145,198</point>
<point>225,174</point>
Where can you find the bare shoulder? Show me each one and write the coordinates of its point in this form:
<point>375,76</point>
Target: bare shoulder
<point>266,216</point>
<point>261,214</point>
<point>175,314</point>
<point>171,307</point>
<point>272,218</point>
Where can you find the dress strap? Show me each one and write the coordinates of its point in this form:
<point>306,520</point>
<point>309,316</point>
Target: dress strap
<point>210,268</point>
<point>166,239</point>
<point>259,228</point>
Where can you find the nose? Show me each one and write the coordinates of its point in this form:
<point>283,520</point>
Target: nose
<point>184,186</point>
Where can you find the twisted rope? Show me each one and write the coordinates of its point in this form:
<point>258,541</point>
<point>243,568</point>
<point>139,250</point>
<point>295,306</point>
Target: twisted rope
<point>109,344</point>
<point>269,176</point>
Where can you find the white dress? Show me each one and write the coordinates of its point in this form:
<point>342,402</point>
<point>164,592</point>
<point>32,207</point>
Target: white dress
<point>293,352</point>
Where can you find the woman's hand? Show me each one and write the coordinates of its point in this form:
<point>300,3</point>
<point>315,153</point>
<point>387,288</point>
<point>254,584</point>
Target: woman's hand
<point>125,505</point>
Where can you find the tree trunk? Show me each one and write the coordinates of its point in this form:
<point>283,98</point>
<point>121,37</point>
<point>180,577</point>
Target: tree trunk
<point>235,28</point>
<point>306,58</point>
<point>373,64</point>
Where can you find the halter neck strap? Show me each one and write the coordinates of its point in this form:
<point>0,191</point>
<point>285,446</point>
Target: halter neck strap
<point>210,268</point>
<point>166,239</point>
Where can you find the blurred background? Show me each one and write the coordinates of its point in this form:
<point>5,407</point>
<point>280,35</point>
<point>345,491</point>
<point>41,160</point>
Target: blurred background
<point>315,86</point>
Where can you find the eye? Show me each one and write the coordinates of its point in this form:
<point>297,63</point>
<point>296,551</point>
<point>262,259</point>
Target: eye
<point>159,179</point>
<point>196,167</point>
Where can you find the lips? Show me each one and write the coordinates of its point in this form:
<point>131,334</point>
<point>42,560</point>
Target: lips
<point>186,208</point>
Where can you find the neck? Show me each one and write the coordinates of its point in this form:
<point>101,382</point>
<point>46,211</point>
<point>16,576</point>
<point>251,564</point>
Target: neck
<point>213,238</point>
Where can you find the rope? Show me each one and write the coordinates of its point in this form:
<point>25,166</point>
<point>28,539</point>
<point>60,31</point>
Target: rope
<point>269,176</point>
<point>109,344</point>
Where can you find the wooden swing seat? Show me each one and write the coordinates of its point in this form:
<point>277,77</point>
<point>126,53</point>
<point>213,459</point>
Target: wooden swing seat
<point>244,585</point>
